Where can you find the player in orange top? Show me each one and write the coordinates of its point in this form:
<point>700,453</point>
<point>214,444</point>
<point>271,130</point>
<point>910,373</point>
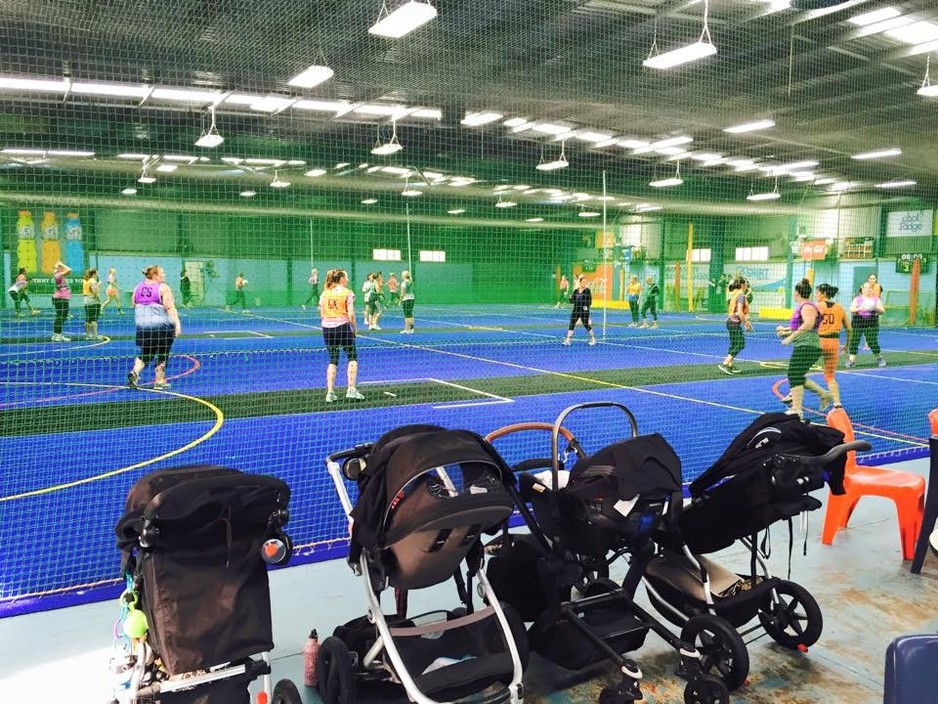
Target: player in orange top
<point>833,320</point>
<point>336,306</point>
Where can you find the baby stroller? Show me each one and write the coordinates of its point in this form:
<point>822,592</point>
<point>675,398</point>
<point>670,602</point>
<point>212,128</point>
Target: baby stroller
<point>425,496</point>
<point>195,545</point>
<point>611,505</point>
<point>762,478</point>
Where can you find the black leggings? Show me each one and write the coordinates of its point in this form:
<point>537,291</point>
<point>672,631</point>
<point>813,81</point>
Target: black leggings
<point>737,339</point>
<point>580,315</point>
<point>651,304</point>
<point>61,313</point>
<point>802,357</point>
<point>633,308</point>
<point>864,327</point>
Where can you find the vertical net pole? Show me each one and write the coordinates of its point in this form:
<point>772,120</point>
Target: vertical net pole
<point>410,254</point>
<point>690,267</point>
<point>606,281</point>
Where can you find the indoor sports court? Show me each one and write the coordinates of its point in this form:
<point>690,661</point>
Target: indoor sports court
<point>472,182</point>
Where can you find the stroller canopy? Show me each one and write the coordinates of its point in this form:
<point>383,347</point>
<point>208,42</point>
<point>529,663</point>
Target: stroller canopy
<point>427,493</point>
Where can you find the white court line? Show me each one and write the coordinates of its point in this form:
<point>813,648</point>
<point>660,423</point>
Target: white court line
<point>239,333</point>
<point>874,375</point>
<point>499,399</point>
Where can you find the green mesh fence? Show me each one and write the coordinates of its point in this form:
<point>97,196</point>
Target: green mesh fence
<point>488,153</point>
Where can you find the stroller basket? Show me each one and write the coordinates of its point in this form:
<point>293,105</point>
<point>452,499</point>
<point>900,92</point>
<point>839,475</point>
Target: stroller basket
<point>192,537</point>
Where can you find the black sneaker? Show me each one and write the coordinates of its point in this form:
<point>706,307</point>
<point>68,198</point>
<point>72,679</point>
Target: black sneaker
<point>132,380</point>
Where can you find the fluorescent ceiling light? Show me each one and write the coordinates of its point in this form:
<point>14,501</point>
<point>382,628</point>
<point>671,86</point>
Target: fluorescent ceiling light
<point>456,211</point>
<point>505,204</point>
<point>248,194</point>
<point>560,163</point>
<point>633,143</point>
<point>369,201</point>
<point>647,207</point>
<point>129,192</point>
<point>209,140</point>
<point>385,149</point>
<point>396,170</point>
<point>381,110</point>
<point>181,158</point>
<point>588,136</point>
<point>928,91</point>
<point>316,172</point>
<point>884,26</point>
<point>685,54</point>
<point>774,195</point>
<point>915,33</point>
<point>666,182</point>
<point>272,103</point>
<point>671,142</point>
<point>411,192</point>
<point>116,90</point>
<point>242,99</point>
<point>824,181</point>
<point>534,220</point>
<point>278,183</point>
<point>146,179</point>
<point>802,176</point>
<point>475,119</point>
<point>515,122</point>
<point>868,18</point>
<point>606,143</point>
<point>428,113</point>
<point>47,152</point>
<point>671,151</point>
<point>403,20</point>
<point>841,186</point>
<point>550,128</point>
<point>372,169</point>
<point>320,105</point>
<point>896,184</point>
<point>588,214</point>
<point>750,126</point>
<point>312,77</point>
<point>128,155</point>
<point>36,85</point>
<point>705,156</point>
<point>167,168</point>
<point>183,95</point>
<point>264,162</point>
<point>878,154</point>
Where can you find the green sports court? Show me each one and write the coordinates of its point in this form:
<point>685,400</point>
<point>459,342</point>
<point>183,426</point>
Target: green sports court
<point>657,148</point>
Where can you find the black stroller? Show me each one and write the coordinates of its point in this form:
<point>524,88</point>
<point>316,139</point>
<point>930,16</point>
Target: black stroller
<point>195,545</point>
<point>612,505</point>
<point>763,477</point>
<point>425,497</point>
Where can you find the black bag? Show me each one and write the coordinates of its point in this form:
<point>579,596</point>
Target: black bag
<point>754,485</point>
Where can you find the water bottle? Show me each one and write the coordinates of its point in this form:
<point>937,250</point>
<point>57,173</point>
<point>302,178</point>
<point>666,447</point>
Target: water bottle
<point>311,660</point>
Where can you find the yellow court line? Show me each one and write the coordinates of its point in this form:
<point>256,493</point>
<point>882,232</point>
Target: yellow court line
<point>219,421</point>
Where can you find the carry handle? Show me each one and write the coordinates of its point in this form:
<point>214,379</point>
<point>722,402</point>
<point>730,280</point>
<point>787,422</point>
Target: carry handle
<point>558,424</point>
<point>830,456</point>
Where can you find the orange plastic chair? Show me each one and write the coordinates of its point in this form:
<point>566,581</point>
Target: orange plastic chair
<point>906,489</point>
<point>933,419</point>
<point>925,537</point>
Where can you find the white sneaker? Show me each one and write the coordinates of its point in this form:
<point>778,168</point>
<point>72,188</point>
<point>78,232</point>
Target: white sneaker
<point>566,342</point>
<point>331,397</point>
<point>644,325</point>
<point>592,341</point>
<point>303,307</point>
<point>56,338</point>
<point>376,327</point>
<point>353,393</point>
<point>654,325</point>
<point>62,338</point>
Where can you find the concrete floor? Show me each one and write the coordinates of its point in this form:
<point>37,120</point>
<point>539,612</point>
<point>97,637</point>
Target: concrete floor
<point>864,588</point>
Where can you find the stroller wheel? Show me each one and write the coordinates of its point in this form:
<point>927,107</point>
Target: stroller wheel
<point>336,676</point>
<point>723,653</point>
<point>706,690</point>
<point>791,616</point>
<point>285,692</point>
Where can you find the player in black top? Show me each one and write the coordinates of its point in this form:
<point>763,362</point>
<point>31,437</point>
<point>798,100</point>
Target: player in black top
<point>582,300</point>
<point>651,302</point>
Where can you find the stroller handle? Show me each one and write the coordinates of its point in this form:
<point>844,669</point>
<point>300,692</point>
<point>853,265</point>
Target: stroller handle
<point>357,451</point>
<point>558,424</point>
<point>519,427</point>
<point>831,455</point>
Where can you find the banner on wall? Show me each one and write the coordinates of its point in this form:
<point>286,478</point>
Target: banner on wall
<point>909,223</point>
<point>814,249</point>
